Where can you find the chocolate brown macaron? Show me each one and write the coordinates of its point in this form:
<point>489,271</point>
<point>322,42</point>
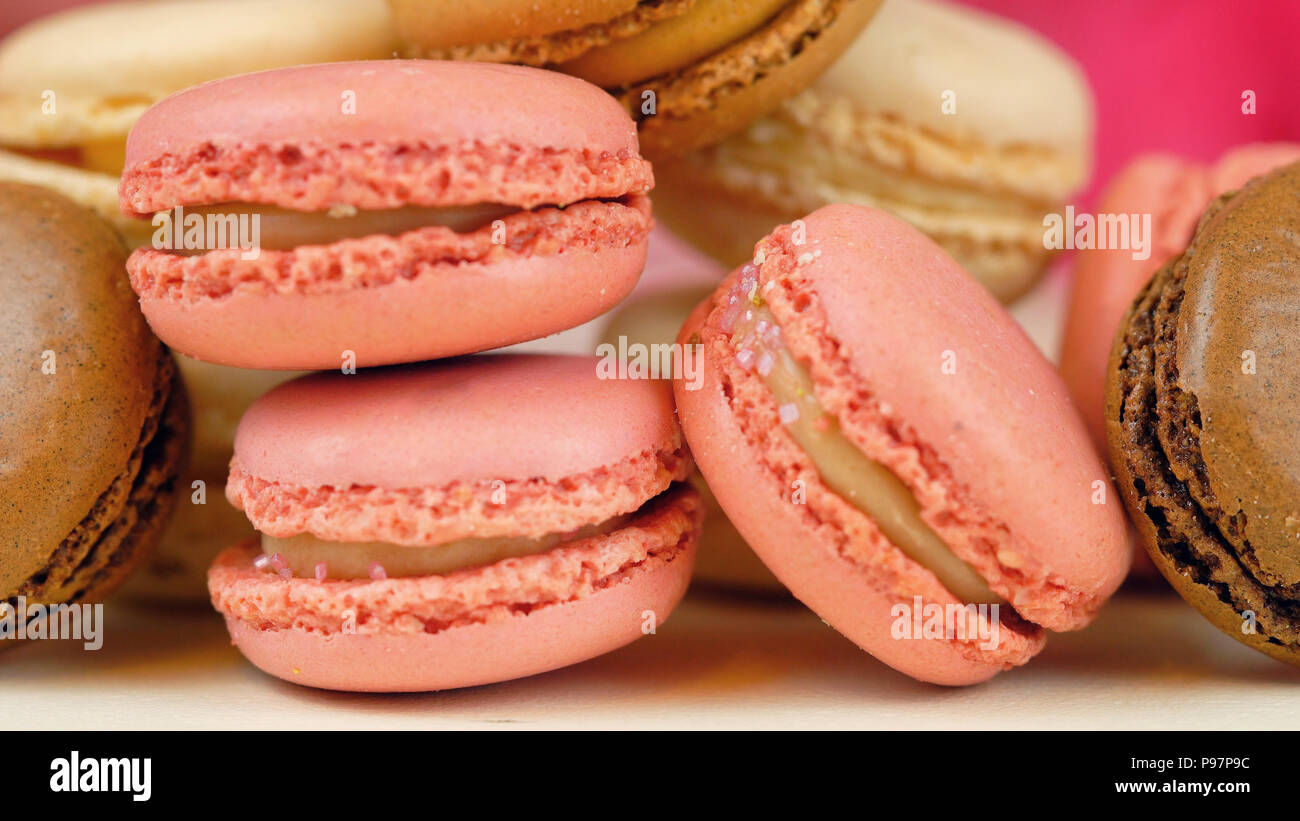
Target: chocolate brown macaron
<point>92,414</point>
<point>1202,403</point>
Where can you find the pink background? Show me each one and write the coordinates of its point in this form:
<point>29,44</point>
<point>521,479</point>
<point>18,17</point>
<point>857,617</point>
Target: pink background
<point>1168,74</point>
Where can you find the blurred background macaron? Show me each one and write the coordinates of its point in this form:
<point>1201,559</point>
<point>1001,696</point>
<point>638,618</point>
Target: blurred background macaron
<point>724,559</point>
<point>93,414</point>
<point>203,523</point>
<point>690,71</point>
<point>970,127</point>
<point>73,83</point>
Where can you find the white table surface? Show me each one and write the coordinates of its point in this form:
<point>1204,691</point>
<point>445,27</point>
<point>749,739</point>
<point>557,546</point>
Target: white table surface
<point>721,661</point>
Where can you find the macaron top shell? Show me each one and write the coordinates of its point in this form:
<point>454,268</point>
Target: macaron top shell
<point>1238,361</point>
<point>79,374</point>
<point>1020,449</point>
<point>496,417</point>
<point>506,134</point>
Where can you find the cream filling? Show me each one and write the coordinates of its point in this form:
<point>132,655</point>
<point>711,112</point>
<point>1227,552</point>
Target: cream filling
<point>672,44</point>
<point>280,229</point>
<point>866,484</point>
<point>303,554</point>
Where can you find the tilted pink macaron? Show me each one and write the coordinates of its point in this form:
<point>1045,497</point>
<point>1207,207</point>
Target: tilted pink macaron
<point>1175,192</point>
<point>408,210</point>
<point>455,523</point>
<point>884,435</point>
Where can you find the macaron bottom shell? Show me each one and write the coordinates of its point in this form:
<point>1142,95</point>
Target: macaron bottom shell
<point>508,620</point>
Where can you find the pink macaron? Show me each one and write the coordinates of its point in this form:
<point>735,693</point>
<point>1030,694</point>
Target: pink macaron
<point>896,450</point>
<point>455,523</point>
<point>382,212</point>
<point>1174,192</point>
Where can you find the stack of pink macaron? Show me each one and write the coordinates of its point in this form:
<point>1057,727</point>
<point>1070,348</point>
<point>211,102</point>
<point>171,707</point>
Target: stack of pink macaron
<point>434,525</point>
<point>874,423</point>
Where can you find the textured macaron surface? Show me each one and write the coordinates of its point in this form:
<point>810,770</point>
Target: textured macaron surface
<point>930,378</point>
<point>89,443</point>
<point>482,446</point>
<point>383,134</point>
<point>1200,414</point>
<point>514,618</point>
<point>428,604</point>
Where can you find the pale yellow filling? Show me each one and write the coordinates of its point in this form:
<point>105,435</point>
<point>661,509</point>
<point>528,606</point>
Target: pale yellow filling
<point>866,484</point>
<point>355,560</point>
<point>280,229</point>
<point>672,44</point>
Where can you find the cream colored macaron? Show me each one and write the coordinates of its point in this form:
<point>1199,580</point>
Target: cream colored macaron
<point>72,84</point>
<point>970,127</point>
<point>724,559</point>
<point>203,523</point>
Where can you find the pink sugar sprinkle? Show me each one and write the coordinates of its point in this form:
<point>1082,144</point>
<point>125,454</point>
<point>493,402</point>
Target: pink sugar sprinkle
<point>262,562</point>
<point>377,571</point>
<point>748,279</point>
<point>322,570</point>
<point>761,326</point>
<point>278,562</point>
<point>773,336</point>
<point>789,413</point>
<point>728,319</point>
<point>286,573</point>
<point>745,359</point>
<point>765,363</point>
